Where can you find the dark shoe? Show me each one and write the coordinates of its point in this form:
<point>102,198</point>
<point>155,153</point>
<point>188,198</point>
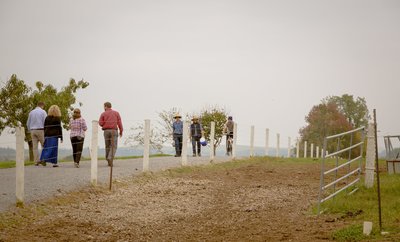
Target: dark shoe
<point>37,163</point>
<point>199,155</point>
<point>43,163</point>
<point>194,155</point>
<point>55,165</point>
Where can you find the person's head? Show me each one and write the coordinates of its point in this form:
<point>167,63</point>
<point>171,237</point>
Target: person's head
<point>54,111</point>
<point>76,114</point>
<point>177,116</point>
<point>107,105</point>
<point>40,104</point>
<point>195,119</point>
<point>230,118</point>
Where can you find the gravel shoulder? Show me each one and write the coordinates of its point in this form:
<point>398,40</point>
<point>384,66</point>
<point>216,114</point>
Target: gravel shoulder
<point>45,182</point>
<point>235,201</point>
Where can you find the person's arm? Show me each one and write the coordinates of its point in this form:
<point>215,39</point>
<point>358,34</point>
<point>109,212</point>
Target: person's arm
<point>101,120</point>
<point>84,126</point>
<point>60,131</point>
<point>119,123</point>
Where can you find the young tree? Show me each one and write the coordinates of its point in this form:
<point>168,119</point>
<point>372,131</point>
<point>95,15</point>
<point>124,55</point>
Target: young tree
<point>217,115</point>
<point>167,118</point>
<point>160,133</point>
<point>324,120</point>
<point>17,100</point>
<point>137,138</point>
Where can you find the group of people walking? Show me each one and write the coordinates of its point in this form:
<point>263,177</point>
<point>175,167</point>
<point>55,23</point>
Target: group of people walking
<point>196,134</point>
<point>45,128</point>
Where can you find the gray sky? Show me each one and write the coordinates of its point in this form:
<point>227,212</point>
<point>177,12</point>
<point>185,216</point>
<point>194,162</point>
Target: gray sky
<point>267,62</point>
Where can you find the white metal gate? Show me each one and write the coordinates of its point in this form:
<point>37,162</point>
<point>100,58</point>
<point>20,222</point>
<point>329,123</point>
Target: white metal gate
<point>346,171</point>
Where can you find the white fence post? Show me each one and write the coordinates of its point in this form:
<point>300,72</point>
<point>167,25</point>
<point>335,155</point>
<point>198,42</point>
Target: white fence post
<point>185,138</point>
<point>317,152</point>
<point>298,149</point>
<point>252,141</point>
<point>277,144</point>
<point>266,141</point>
<point>234,140</point>
<point>312,150</point>
<point>288,147</point>
<point>305,149</point>
<point>93,152</point>
<point>146,150</point>
<point>20,166</point>
<point>212,135</point>
<point>370,156</point>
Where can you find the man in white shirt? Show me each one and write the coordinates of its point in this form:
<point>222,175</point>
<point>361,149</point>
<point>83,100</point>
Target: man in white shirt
<point>35,126</point>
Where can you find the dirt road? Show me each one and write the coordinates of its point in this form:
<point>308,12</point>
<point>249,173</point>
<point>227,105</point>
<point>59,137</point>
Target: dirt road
<point>252,201</point>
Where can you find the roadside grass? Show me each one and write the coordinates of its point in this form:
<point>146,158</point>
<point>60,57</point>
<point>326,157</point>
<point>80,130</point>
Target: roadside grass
<point>363,206</point>
<point>11,164</point>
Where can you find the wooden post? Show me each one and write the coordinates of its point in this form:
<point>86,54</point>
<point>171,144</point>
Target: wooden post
<point>252,141</point>
<point>317,152</point>
<point>212,135</point>
<point>288,147</point>
<point>266,141</point>
<point>277,145</point>
<point>185,137</point>
<point>20,166</point>
<point>370,157</point>
<point>234,140</point>
<point>146,151</point>
<point>312,150</point>
<point>305,149</point>
<point>93,152</point>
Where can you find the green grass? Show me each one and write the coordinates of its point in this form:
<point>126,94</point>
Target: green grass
<point>366,200</point>
<point>11,164</point>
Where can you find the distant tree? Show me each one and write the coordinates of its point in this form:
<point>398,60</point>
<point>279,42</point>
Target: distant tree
<point>137,138</point>
<point>17,100</point>
<point>324,120</point>
<point>165,122</point>
<point>160,132</point>
<point>355,110</point>
<point>219,116</point>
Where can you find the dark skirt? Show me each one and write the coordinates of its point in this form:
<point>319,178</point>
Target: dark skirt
<point>50,150</point>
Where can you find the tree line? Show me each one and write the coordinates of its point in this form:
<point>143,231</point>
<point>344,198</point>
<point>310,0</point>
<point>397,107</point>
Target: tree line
<point>335,114</point>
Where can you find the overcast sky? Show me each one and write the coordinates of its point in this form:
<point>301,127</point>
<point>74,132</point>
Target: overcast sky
<point>267,62</point>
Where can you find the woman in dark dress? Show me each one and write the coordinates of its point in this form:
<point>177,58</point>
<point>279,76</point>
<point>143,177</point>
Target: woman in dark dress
<point>52,132</point>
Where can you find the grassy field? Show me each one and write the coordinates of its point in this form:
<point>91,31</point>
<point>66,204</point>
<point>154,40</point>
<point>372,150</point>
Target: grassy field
<point>363,206</point>
<point>11,164</point>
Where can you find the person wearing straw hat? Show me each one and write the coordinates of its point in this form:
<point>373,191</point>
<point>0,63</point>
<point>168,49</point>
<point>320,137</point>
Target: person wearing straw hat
<point>177,132</point>
<point>196,132</point>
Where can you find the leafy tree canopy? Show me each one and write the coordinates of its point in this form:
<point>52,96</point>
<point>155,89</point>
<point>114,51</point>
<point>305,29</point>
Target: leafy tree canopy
<point>355,110</point>
<point>219,116</point>
<point>17,100</point>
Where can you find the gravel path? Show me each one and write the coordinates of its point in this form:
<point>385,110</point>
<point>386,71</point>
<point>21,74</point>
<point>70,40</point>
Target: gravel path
<point>44,182</point>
